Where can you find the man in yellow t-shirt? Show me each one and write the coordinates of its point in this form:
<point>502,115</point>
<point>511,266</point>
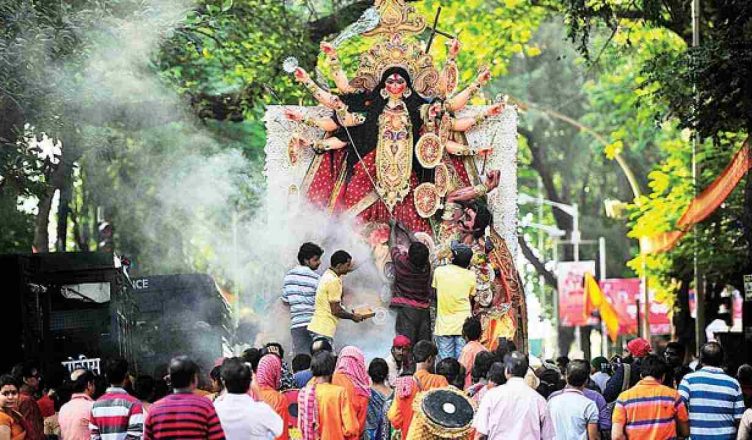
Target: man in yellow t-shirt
<point>327,309</point>
<point>454,284</point>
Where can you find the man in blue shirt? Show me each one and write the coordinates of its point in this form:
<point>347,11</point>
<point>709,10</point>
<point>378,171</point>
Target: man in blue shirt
<point>713,398</point>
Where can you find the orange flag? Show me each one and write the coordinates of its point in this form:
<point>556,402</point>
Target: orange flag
<point>704,204</point>
<point>594,299</point>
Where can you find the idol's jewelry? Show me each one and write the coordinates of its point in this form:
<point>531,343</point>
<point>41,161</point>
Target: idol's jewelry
<point>384,93</point>
<point>319,147</point>
<point>407,93</point>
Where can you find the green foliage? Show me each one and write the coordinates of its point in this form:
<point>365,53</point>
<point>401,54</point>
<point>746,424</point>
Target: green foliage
<point>236,49</point>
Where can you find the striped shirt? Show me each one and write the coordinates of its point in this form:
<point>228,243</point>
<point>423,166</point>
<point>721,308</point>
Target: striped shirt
<point>649,411</point>
<point>715,403</point>
<point>116,416</point>
<point>299,292</point>
<point>183,416</point>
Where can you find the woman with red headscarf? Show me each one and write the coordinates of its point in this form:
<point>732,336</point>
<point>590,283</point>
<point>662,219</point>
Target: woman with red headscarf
<point>351,374</point>
<point>268,380</point>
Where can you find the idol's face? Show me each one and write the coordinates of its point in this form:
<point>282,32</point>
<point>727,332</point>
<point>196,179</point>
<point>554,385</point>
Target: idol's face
<point>396,85</point>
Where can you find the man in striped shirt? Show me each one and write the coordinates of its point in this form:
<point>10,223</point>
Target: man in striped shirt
<point>183,414</point>
<point>116,415</point>
<point>299,292</point>
<point>714,399</point>
<point>650,410</point>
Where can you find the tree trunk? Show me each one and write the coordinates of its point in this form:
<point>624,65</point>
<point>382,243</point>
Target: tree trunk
<point>54,182</point>
<point>66,196</point>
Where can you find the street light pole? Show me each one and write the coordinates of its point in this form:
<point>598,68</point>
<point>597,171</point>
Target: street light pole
<point>699,287</point>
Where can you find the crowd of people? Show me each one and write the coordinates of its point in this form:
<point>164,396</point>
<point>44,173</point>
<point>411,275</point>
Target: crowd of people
<point>329,394</point>
<point>436,381</point>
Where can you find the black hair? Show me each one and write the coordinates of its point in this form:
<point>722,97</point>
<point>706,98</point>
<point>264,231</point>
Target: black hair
<point>27,369</point>
<point>144,387</point>
<point>449,368</point>
<point>116,370</point>
<point>680,348</point>
<point>339,257</point>
<point>516,364</point>
<point>423,350</point>
<point>320,344</point>
<point>236,375</point>
<point>495,373</point>
<point>100,386</point>
<point>482,221</point>
<point>378,370</point>
<point>505,347</point>
<point>711,354</point>
<point>550,382</point>
<point>274,348</point>
<point>744,374</point>
<point>482,364</point>
<point>7,379</point>
<point>82,381</point>
<point>182,371</point>
<point>462,258</point>
<point>301,361</point>
<point>418,254</point>
<point>323,364</point>
<point>252,356</point>
<point>578,373</point>
<point>654,366</point>
<point>308,251</point>
<point>216,375</point>
<point>562,360</point>
<point>472,329</point>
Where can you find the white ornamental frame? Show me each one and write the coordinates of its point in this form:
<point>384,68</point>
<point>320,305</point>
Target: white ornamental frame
<point>499,132</point>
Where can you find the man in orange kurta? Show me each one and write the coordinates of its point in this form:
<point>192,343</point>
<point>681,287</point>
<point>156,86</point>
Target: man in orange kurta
<point>351,375</point>
<point>407,387</point>
<point>268,380</point>
<point>324,410</point>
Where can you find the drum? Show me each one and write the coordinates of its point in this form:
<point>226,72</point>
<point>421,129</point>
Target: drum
<point>291,396</point>
<point>446,413</point>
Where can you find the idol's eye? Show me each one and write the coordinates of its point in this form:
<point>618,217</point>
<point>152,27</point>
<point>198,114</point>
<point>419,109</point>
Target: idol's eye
<point>400,81</point>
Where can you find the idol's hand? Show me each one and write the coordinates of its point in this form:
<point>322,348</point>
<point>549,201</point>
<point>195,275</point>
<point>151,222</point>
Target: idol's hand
<point>493,178</point>
<point>454,48</point>
<point>358,318</point>
<point>484,75</point>
<point>328,49</point>
<point>293,115</point>
<point>495,110</point>
<point>301,75</point>
<point>485,151</point>
<point>300,143</point>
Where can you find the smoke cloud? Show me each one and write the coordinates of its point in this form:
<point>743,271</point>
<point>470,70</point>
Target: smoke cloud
<point>193,184</point>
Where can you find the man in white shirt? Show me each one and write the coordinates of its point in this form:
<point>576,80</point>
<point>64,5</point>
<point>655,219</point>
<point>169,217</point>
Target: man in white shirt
<point>242,417</point>
<point>513,410</point>
<point>575,417</point>
<point>597,374</point>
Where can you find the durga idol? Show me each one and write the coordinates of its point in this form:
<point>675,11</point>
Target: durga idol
<point>366,164</point>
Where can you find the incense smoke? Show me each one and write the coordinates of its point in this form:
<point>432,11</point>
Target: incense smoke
<point>181,191</point>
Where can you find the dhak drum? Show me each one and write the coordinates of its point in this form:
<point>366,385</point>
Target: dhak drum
<point>446,413</point>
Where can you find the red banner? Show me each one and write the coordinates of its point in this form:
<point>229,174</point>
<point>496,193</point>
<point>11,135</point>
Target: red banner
<point>571,290</point>
<point>623,295</point>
